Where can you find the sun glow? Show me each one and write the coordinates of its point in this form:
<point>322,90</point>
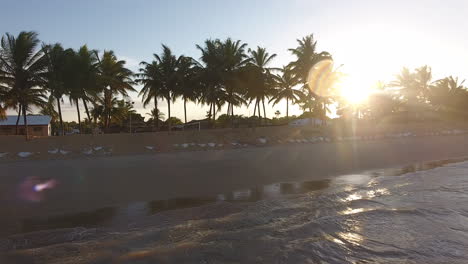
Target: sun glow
<point>353,90</point>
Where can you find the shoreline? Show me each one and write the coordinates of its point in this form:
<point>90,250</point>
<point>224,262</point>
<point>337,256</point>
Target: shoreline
<point>90,184</point>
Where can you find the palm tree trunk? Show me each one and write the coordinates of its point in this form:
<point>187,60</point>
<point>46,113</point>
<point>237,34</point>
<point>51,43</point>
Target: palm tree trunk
<point>60,115</point>
<point>26,132</point>
<point>209,112</point>
<point>79,117</point>
<point>214,111</point>
<point>255,109</point>
<point>264,112</point>
<point>287,108</point>
<point>18,119</point>
<point>87,111</point>
<point>259,110</point>
<point>169,114</point>
<point>185,110</point>
<point>156,118</point>
<point>232,110</point>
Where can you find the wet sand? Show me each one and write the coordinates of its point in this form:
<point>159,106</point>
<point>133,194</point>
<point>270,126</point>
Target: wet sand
<point>94,183</point>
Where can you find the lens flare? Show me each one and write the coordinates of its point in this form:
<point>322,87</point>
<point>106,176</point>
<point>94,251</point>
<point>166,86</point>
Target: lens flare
<point>32,189</point>
<point>44,186</point>
<point>321,78</point>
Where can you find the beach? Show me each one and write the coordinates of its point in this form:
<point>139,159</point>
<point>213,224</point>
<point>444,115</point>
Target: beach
<point>85,184</point>
<point>101,185</point>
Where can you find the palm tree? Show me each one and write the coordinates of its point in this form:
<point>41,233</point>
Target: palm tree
<point>86,68</point>
<point>150,78</point>
<point>233,58</point>
<point>55,77</point>
<point>22,69</point>
<point>210,75</point>
<point>406,82</point>
<point>262,87</point>
<point>187,81</point>
<point>156,114</point>
<point>285,84</point>
<point>168,65</point>
<point>306,57</point>
<point>223,63</point>
<point>423,77</point>
<point>447,93</point>
<point>114,79</point>
<point>3,105</point>
<point>49,109</point>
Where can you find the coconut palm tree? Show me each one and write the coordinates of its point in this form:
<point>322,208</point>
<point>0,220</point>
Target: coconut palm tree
<point>55,76</point>
<point>22,69</point>
<point>262,89</point>
<point>150,78</point>
<point>86,68</point>
<point>223,63</point>
<point>406,82</point>
<point>285,84</point>
<point>168,65</point>
<point>447,93</point>
<point>114,79</point>
<point>233,58</point>
<point>306,57</point>
<point>3,105</point>
<point>156,114</point>
<point>187,81</point>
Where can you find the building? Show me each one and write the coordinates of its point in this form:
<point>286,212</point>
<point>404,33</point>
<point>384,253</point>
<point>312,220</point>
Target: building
<point>38,125</point>
<point>309,121</point>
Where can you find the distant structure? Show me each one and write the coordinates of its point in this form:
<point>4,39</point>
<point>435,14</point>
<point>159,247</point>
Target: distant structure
<point>38,125</point>
<point>309,121</point>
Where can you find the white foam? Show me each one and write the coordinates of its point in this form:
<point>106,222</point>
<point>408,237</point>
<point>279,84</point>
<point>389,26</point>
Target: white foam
<point>97,148</point>
<point>64,152</point>
<point>262,140</point>
<point>24,154</point>
<point>212,145</point>
<point>3,154</point>
<point>185,145</point>
<point>149,147</point>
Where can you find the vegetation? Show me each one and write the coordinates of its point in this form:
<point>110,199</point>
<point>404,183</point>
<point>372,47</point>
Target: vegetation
<point>228,73</point>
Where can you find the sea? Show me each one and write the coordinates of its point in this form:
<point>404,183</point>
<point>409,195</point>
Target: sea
<point>415,214</point>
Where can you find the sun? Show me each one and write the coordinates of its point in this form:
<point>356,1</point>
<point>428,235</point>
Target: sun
<point>353,90</point>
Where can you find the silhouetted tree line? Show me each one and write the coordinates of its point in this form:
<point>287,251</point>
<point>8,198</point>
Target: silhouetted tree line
<point>228,73</point>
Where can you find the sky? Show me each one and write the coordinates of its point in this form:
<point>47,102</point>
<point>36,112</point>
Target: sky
<point>372,39</point>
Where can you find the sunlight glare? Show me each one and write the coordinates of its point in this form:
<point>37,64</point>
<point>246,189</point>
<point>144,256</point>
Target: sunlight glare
<point>353,90</point>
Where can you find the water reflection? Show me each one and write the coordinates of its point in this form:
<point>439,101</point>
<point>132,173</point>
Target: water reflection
<point>89,219</point>
<point>122,215</point>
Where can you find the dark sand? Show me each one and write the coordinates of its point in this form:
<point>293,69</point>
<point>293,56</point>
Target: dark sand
<point>90,183</point>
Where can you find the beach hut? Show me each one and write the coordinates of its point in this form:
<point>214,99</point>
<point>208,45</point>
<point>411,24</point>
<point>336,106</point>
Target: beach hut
<point>38,125</point>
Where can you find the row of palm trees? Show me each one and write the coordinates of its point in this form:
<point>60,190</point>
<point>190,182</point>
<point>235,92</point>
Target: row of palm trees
<point>415,92</point>
<point>228,73</point>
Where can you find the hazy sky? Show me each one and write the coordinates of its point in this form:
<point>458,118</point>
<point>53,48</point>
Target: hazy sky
<point>373,39</point>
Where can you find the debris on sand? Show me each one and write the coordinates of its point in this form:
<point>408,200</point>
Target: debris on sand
<point>24,154</point>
